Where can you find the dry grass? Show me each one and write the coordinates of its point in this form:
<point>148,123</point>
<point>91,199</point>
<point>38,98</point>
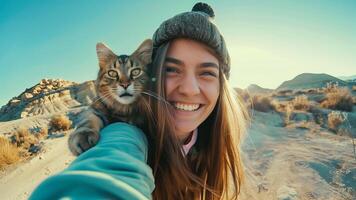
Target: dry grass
<point>284,92</point>
<point>40,132</point>
<point>335,119</point>
<point>9,153</point>
<point>262,103</point>
<point>331,87</point>
<point>23,138</point>
<point>60,123</point>
<point>301,103</point>
<point>338,99</point>
<point>279,106</point>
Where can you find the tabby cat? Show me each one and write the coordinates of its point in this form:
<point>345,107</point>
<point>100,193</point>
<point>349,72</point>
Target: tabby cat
<point>120,82</point>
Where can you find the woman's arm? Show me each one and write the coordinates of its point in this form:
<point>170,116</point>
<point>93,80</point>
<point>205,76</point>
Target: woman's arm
<point>114,169</point>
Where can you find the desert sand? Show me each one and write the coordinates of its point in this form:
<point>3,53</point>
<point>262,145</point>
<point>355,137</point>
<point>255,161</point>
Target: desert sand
<point>19,181</point>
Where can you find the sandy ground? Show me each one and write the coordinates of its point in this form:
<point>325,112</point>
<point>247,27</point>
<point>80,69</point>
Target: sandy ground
<point>297,163</point>
<point>18,182</point>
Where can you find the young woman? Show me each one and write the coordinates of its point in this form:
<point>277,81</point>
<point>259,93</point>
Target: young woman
<point>193,136</point>
<point>191,66</point>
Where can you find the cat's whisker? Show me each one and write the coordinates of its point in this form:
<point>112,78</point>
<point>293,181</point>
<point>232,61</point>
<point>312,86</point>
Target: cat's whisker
<point>155,96</point>
<point>101,97</point>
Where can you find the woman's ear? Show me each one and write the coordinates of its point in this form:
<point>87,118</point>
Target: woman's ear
<point>144,51</point>
<point>105,54</point>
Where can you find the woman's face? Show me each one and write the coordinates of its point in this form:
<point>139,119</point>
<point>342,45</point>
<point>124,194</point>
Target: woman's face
<point>192,83</point>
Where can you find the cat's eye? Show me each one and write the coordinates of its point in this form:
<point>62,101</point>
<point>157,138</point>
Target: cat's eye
<point>135,72</point>
<point>113,74</point>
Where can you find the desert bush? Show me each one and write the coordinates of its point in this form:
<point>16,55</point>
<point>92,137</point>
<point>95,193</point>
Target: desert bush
<point>301,103</point>
<point>354,88</point>
<point>299,92</point>
<point>23,138</point>
<point>288,113</point>
<point>331,87</point>
<point>279,106</point>
<point>312,91</point>
<point>284,92</point>
<point>338,99</point>
<point>335,119</point>
<point>9,153</point>
<point>40,132</point>
<point>262,103</point>
<point>60,122</point>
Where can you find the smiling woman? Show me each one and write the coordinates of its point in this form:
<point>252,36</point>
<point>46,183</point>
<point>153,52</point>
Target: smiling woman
<point>200,114</point>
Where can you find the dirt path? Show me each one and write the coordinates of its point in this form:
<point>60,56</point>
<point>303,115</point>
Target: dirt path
<point>20,182</point>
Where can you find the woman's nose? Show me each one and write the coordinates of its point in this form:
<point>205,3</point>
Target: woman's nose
<point>189,85</point>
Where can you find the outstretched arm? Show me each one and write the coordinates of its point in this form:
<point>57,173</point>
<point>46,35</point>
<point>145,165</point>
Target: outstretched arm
<point>114,169</point>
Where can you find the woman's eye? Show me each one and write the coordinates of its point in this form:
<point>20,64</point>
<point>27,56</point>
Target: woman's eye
<point>171,70</point>
<point>209,74</point>
<point>135,72</point>
<point>113,73</point>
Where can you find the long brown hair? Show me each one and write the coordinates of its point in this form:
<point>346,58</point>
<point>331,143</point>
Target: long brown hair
<point>215,170</point>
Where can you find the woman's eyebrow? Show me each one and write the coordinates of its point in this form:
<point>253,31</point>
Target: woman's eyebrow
<point>173,60</point>
<point>209,64</point>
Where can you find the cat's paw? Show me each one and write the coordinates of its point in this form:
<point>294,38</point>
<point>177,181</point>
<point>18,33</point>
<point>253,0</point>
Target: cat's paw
<point>82,139</point>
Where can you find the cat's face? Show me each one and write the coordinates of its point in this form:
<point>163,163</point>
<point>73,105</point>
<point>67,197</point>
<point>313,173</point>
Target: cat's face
<point>122,78</point>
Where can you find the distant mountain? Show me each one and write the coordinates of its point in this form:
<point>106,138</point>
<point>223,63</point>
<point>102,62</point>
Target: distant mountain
<point>346,78</point>
<point>309,80</point>
<point>253,89</point>
<point>48,97</point>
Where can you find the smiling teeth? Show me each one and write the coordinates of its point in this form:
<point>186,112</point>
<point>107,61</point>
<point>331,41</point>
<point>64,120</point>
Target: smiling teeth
<point>186,107</point>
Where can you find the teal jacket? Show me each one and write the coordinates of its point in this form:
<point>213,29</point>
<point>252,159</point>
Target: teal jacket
<point>114,169</point>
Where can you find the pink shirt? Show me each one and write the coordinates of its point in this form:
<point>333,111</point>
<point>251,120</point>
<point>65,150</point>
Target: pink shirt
<point>193,139</point>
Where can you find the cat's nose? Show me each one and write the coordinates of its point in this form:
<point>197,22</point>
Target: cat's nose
<point>125,85</point>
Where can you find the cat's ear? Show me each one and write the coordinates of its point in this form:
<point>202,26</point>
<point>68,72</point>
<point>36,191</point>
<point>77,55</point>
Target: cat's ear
<point>105,54</point>
<point>144,51</point>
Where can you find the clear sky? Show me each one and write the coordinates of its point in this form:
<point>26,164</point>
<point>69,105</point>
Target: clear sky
<point>269,41</point>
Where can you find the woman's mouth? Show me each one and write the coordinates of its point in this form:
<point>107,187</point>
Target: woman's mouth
<point>186,106</point>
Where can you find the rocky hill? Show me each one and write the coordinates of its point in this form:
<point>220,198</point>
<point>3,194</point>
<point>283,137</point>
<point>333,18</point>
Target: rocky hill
<point>48,96</point>
<point>309,80</point>
<point>347,78</point>
<point>255,89</point>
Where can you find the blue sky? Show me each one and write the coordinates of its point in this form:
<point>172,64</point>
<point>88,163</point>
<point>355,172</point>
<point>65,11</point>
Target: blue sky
<point>269,41</point>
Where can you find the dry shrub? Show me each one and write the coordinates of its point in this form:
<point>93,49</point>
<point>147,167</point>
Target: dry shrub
<point>285,92</point>
<point>9,153</point>
<point>60,122</point>
<point>288,109</point>
<point>301,103</point>
<point>262,103</point>
<point>312,91</point>
<point>331,87</point>
<point>43,132</point>
<point>354,88</point>
<point>279,106</point>
<point>299,92</point>
<point>23,138</point>
<point>40,132</point>
<point>338,99</point>
<point>335,119</point>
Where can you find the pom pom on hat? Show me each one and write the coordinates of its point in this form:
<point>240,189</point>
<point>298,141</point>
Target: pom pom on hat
<point>205,8</point>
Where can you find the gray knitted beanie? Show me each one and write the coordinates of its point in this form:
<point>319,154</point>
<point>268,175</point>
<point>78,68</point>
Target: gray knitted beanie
<point>197,25</point>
